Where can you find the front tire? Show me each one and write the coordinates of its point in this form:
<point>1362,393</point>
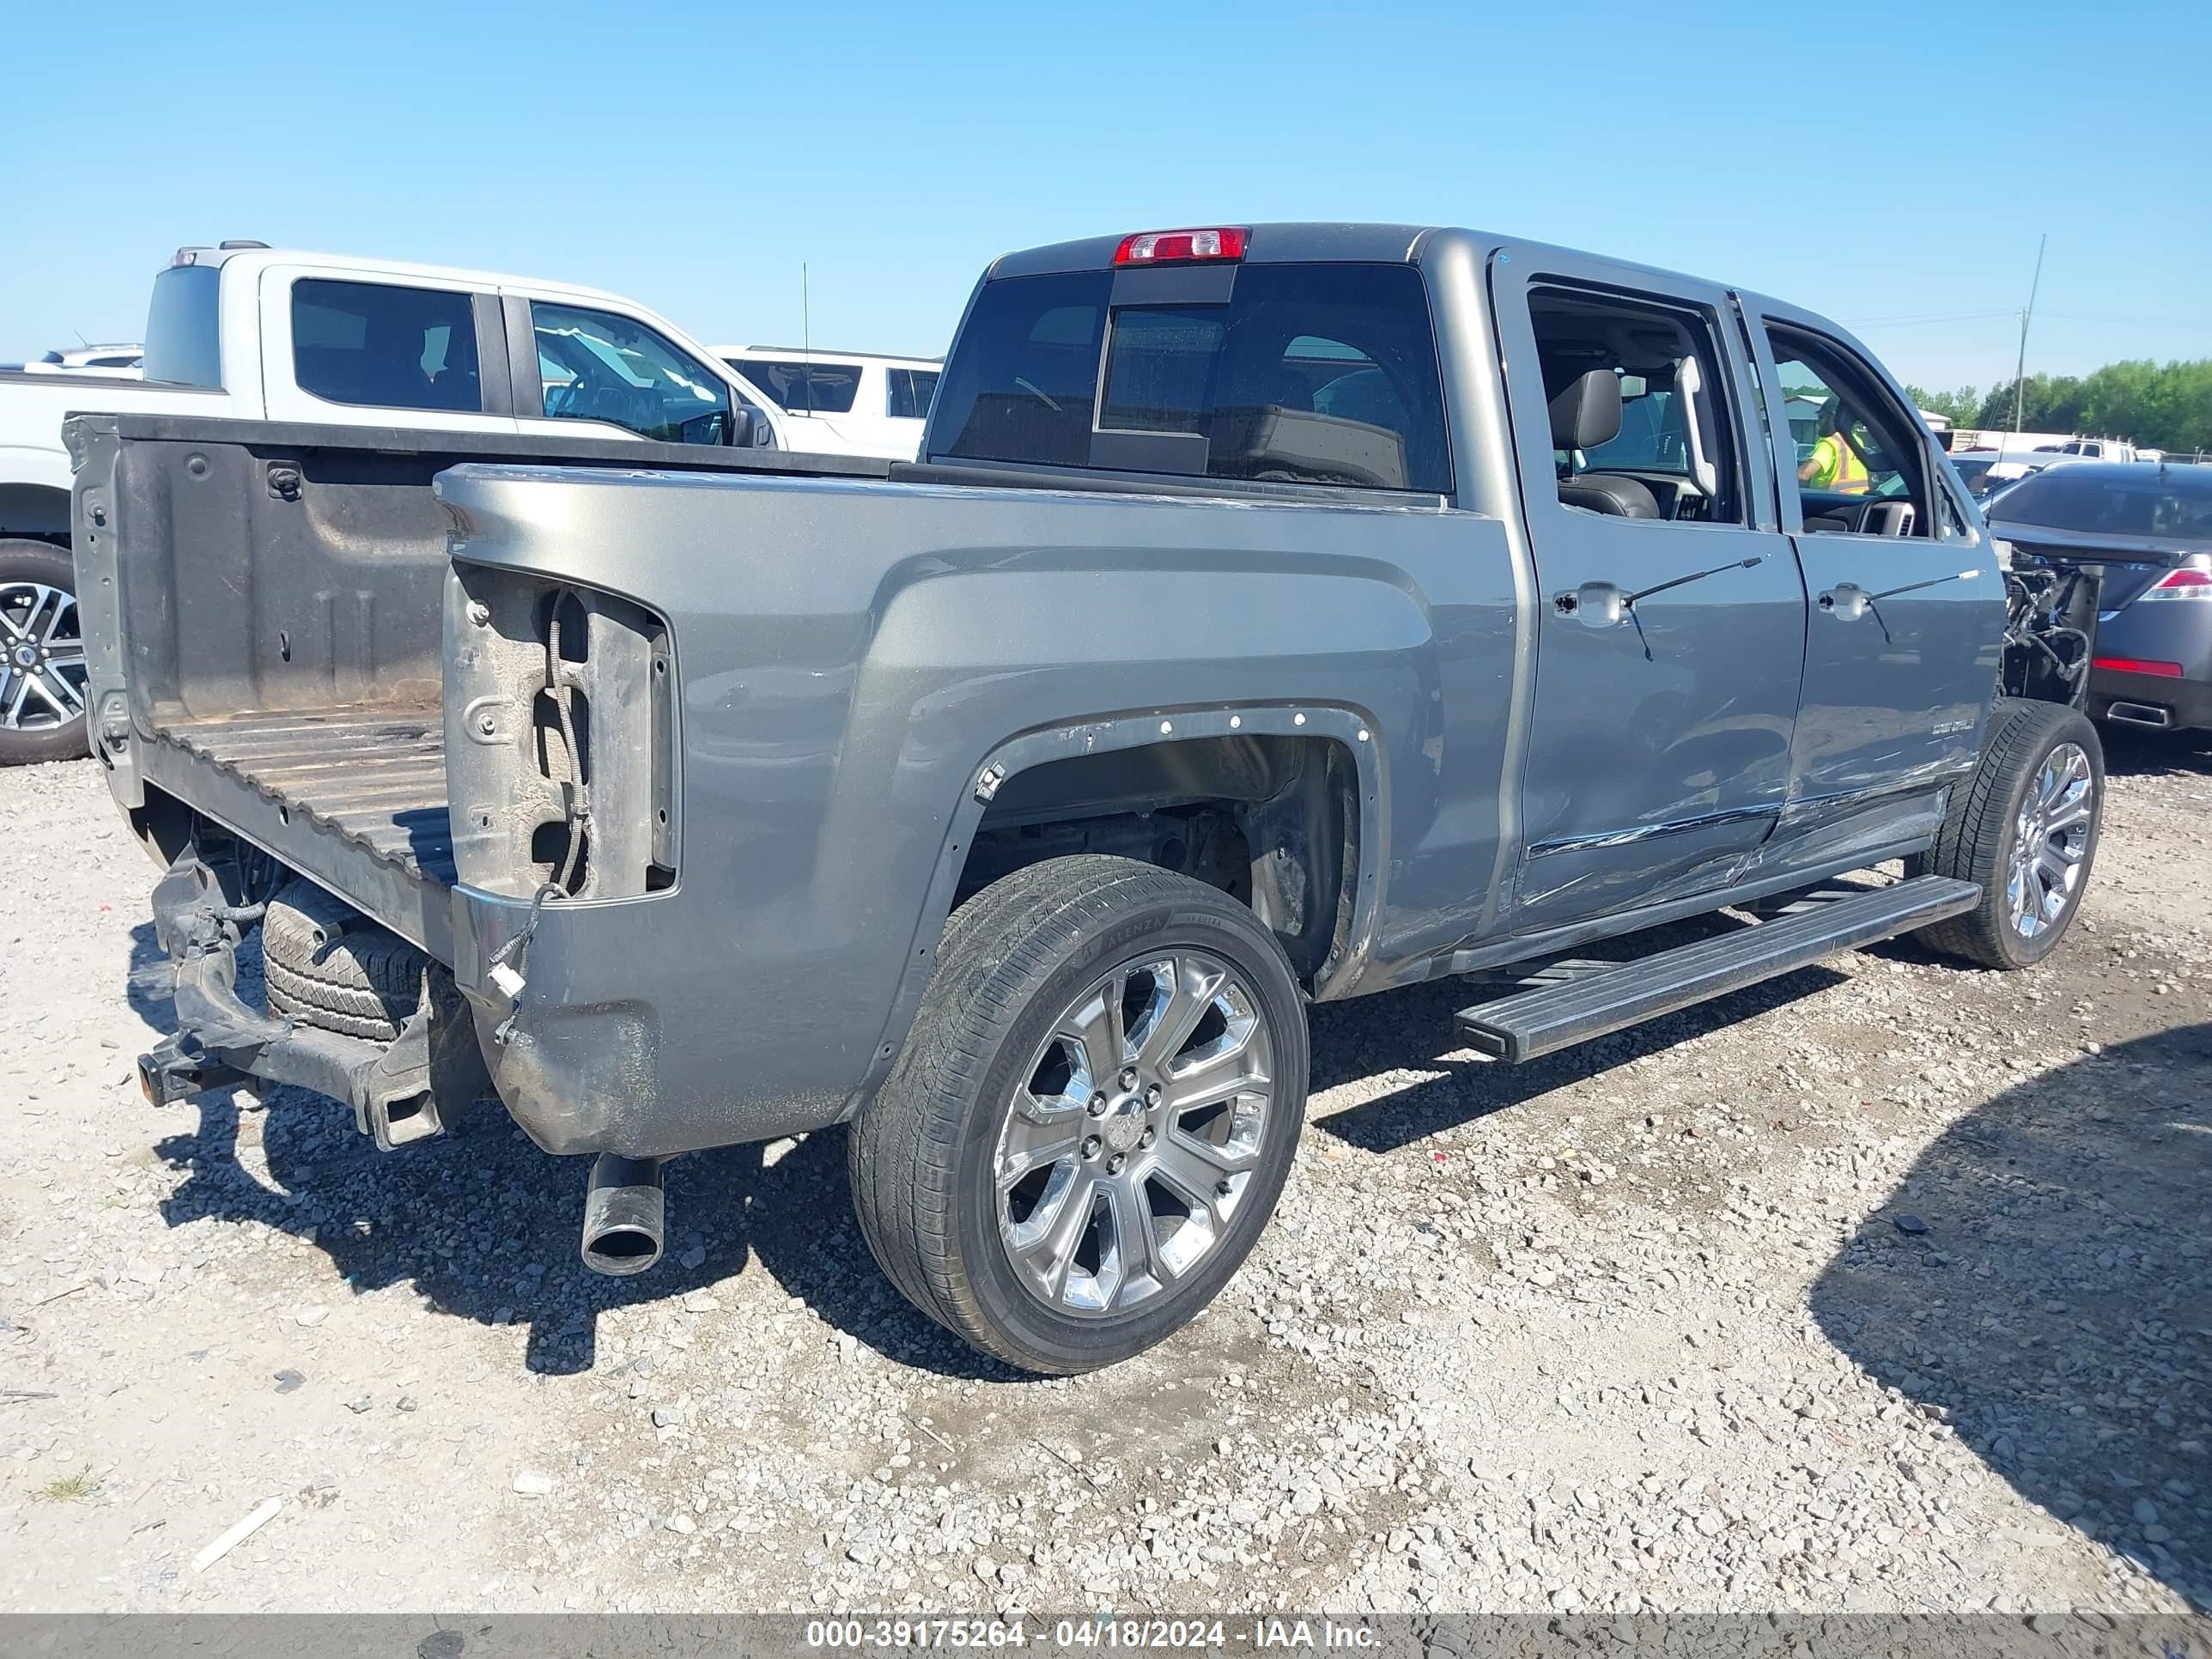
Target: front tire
<point>42,667</point>
<point>1092,1117</point>
<point>2025,827</point>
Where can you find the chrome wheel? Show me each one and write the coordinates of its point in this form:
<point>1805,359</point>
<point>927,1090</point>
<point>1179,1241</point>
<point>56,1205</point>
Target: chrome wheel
<point>2051,839</point>
<point>1130,1143</point>
<point>42,673</point>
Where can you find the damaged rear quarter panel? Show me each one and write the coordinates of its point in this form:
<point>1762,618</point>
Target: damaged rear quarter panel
<point>849,657</point>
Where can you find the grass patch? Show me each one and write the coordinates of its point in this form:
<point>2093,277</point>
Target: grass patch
<point>80,1485</point>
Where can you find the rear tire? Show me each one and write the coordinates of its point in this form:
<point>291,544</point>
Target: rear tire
<point>2025,827</point>
<point>328,967</point>
<point>1060,1209</point>
<point>42,672</point>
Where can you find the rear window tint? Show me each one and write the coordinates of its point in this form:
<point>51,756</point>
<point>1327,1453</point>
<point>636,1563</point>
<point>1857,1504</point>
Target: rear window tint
<point>807,388</point>
<point>2093,501</point>
<point>1309,374</point>
<point>184,334</point>
<point>385,346</point>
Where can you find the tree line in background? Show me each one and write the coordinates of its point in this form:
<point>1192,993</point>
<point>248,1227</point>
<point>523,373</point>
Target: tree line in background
<point>2163,406</point>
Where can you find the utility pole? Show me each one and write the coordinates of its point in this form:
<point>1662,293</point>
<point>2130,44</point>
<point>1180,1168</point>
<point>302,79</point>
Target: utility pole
<point>2019,374</point>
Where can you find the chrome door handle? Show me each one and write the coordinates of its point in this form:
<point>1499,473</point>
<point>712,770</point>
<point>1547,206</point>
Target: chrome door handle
<point>1847,601</point>
<point>1594,605</point>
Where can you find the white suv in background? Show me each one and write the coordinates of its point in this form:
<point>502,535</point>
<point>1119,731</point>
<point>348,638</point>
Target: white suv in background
<point>119,362</point>
<point>844,403</point>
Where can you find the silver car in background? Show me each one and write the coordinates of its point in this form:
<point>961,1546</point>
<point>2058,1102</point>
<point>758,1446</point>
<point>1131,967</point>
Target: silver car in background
<point>2150,528</point>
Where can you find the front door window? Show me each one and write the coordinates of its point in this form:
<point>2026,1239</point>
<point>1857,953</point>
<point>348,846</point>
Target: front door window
<point>600,365</point>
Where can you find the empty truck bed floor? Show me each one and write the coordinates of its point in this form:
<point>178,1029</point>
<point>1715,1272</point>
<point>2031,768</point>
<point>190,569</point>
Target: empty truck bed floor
<point>351,795</point>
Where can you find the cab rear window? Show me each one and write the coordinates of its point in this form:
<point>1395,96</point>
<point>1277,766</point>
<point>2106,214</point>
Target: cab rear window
<point>1305,374</point>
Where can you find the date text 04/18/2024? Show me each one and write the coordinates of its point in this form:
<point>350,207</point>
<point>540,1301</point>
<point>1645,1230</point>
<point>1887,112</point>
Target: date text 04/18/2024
<point>1168,1635</point>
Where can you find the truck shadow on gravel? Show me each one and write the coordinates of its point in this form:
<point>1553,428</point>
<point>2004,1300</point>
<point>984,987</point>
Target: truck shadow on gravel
<point>2138,754</point>
<point>484,1226</point>
<point>2043,1276</point>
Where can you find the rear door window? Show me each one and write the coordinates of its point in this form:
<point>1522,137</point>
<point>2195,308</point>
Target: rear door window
<point>1305,374</point>
<point>804,388</point>
<point>379,345</point>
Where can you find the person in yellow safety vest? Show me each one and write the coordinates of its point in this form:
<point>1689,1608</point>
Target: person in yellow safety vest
<point>1833,464</point>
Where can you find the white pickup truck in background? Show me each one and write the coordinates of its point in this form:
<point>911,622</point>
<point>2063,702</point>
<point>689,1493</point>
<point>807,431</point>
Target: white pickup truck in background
<point>256,333</point>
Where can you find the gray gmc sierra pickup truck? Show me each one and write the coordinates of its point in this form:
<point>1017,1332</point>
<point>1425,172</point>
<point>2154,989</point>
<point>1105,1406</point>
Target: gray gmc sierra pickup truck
<point>1275,615</point>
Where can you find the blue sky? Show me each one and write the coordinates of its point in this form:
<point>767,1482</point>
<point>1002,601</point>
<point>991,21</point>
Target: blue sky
<point>1885,164</point>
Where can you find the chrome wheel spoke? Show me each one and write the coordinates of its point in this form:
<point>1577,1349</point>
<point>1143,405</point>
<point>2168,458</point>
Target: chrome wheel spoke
<point>1040,1143</point>
<point>1135,1247</point>
<point>1095,1026</point>
<point>1190,986</point>
<point>2065,774</point>
<point>1045,1247</point>
<point>1221,1069</point>
<point>2070,814</point>
<point>1200,1165</point>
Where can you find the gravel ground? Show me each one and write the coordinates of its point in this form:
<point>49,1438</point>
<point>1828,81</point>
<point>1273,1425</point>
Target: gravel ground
<point>1885,1286</point>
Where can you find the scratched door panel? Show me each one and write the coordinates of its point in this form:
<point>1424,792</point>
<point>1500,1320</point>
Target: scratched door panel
<point>1906,631</point>
<point>1659,756</point>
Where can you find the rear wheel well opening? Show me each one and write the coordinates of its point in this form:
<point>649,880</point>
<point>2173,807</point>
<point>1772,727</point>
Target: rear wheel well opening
<point>35,511</point>
<point>1271,821</point>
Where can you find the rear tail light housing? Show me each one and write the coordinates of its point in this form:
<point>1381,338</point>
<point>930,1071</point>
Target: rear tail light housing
<point>2165,671</point>
<point>2184,584</point>
<point>1176,247</point>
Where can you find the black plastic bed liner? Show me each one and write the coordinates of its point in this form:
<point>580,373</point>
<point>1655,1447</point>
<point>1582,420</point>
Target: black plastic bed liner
<point>352,794</point>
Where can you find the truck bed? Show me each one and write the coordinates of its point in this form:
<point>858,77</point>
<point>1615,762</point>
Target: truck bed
<point>369,773</point>
<point>266,603</point>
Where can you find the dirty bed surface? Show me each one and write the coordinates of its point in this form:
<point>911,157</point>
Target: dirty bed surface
<point>374,772</point>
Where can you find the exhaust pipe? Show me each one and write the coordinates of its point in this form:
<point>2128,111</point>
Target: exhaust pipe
<point>2140,713</point>
<point>623,1211</point>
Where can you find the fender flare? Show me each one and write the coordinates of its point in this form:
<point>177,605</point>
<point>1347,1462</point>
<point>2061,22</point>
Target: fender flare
<point>1351,728</point>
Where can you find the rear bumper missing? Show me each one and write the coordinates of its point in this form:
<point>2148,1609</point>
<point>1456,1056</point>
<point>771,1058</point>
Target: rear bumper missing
<point>401,1091</point>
